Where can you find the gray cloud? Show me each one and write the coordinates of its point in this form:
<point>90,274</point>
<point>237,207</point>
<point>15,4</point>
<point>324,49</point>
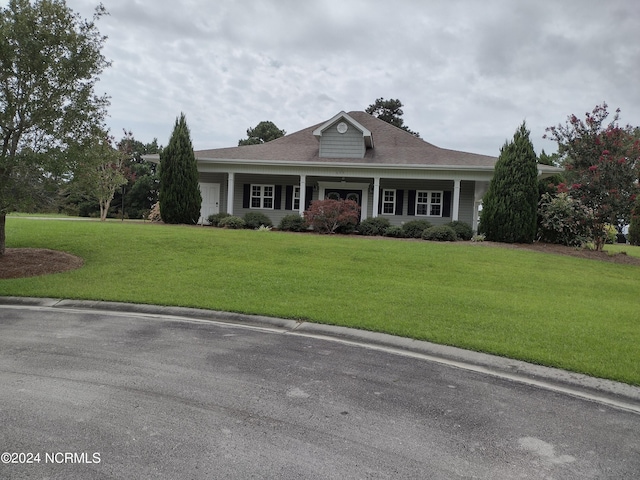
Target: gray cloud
<point>467,72</point>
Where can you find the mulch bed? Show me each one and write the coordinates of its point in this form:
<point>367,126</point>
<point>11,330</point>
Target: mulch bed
<point>620,258</point>
<point>31,262</point>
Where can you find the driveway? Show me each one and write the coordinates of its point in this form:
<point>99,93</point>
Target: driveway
<point>104,392</point>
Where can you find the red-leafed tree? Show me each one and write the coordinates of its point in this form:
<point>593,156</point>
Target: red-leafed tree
<point>329,216</point>
<point>601,161</point>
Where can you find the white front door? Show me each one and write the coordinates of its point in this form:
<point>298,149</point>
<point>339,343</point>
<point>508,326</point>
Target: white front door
<point>210,201</point>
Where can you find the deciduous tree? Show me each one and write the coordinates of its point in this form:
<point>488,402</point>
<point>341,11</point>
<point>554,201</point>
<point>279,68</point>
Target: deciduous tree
<point>100,171</point>
<point>601,162</point>
<point>509,208</point>
<point>141,190</point>
<point>179,196</point>
<point>50,60</point>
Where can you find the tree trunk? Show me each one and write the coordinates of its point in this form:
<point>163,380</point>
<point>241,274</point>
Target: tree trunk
<point>104,209</point>
<point>3,221</point>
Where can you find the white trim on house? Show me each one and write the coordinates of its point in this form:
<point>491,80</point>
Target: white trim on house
<point>392,202</point>
<point>367,135</point>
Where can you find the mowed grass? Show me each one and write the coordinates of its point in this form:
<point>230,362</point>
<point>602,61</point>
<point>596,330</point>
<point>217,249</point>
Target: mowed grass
<point>577,314</point>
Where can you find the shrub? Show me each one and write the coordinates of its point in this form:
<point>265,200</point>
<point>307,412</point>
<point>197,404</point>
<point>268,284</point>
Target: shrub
<point>253,220</point>
<point>329,216</point>
<point>414,228</point>
<point>373,226</point>
<point>564,220</point>
<point>478,238</point>
<point>292,223</point>
<point>215,219</point>
<point>611,234</point>
<point>440,233</point>
<point>233,222</point>
<point>463,230</point>
<point>394,231</point>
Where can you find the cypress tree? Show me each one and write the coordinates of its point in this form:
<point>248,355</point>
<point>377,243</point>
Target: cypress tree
<point>509,208</point>
<point>179,192</point>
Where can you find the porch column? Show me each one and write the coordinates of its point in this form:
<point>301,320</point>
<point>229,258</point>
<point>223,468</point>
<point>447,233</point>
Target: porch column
<point>231,182</point>
<point>456,200</point>
<point>376,197</point>
<point>303,194</point>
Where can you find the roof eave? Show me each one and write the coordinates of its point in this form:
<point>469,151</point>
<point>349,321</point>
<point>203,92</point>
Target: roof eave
<point>357,165</point>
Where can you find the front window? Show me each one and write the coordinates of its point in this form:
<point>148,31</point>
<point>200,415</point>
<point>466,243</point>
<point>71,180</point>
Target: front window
<point>262,196</point>
<point>388,202</point>
<point>429,203</point>
<point>296,198</point>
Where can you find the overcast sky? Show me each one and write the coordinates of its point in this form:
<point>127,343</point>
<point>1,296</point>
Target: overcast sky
<point>467,71</point>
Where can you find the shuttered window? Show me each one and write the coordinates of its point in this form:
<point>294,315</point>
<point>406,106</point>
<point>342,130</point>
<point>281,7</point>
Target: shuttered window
<point>388,202</point>
<point>262,196</point>
<point>296,198</point>
<point>428,203</point>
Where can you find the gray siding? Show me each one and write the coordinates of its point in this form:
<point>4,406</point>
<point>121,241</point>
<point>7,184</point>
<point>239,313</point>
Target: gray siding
<point>467,189</point>
<point>342,145</point>
<point>275,215</point>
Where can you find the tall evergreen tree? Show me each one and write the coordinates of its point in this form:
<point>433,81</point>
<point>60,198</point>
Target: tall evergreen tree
<point>179,194</point>
<point>509,208</point>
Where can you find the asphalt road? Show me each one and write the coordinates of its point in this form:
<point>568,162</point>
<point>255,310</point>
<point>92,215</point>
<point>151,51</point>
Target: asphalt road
<point>97,394</point>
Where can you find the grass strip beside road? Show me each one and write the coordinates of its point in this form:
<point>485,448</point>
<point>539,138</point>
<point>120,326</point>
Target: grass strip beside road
<point>577,314</point>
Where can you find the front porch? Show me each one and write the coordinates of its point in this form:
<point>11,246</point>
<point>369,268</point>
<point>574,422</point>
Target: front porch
<point>437,200</point>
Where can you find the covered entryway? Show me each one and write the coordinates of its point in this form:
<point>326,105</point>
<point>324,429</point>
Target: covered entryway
<point>344,194</point>
<point>210,201</point>
<point>346,191</point>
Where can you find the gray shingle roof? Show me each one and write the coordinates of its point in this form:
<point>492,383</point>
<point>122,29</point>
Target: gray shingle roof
<point>392,146</point>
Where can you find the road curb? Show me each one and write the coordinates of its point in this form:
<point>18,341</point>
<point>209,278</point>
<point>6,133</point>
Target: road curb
<point>609,392</point>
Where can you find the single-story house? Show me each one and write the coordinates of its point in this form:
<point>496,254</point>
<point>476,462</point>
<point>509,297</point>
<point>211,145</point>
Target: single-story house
<point>354,155</point>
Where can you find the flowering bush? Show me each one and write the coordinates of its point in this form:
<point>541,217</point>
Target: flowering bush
<point>327,216</point>
<point>601,162</point>
<point>564,220</point>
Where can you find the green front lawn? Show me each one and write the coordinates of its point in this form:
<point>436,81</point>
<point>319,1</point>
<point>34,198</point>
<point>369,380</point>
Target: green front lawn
<point>577,314</point>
